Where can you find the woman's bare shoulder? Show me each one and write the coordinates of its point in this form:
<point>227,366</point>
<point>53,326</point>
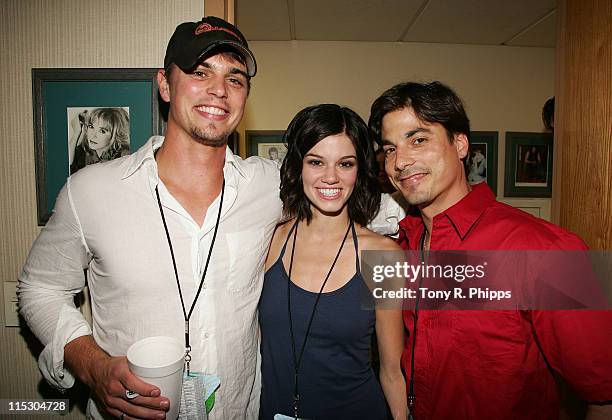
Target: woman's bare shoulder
<point>369,240</point>
<point>278,240</point>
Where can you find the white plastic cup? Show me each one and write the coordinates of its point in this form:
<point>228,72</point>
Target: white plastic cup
<point>159,361</point>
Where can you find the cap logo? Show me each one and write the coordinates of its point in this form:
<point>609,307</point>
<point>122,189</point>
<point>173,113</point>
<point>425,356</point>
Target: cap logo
<point>206,27</point>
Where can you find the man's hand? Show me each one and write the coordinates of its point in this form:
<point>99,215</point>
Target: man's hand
<point>110,377</point>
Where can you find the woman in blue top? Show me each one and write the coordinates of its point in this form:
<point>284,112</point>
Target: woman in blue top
<point>316,326</point>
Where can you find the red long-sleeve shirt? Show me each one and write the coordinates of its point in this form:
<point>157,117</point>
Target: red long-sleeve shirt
<point>497,364</point>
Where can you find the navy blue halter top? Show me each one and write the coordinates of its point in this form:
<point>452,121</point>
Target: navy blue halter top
<point>336,379</point>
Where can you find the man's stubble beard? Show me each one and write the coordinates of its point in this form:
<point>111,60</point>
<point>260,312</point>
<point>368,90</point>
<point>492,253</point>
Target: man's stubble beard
<point>418,199</point>
<point>415,198</point>
<point>207,138</point>
<point>419,195</point>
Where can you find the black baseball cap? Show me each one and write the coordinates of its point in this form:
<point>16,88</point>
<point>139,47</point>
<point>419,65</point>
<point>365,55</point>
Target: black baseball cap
<point>192,40</point>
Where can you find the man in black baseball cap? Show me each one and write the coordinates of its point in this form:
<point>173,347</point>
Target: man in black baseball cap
<point>204,53</point>
<point>177,244</point>
<point>193,40</point>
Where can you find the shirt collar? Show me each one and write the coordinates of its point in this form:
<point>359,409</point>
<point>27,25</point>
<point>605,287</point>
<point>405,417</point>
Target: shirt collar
<point>139,157</point>
<point>231,159</point>
<point>462,215</point>
<point>146,153</point>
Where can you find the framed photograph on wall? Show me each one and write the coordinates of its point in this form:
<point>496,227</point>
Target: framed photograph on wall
<point>233,142</point>
<point>481,164</point>
<point>529,160</point>
<point>84,116</point>
<point>266,143</point>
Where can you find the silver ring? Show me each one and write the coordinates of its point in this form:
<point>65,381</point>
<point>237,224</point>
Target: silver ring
<point>131,394</point>
<point>122,416</point>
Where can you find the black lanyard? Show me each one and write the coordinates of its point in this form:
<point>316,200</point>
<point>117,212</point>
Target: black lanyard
<point>178,283</point>
<point>411,395</point>
<point>298,360</point>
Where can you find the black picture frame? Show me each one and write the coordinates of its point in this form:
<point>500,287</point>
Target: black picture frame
<point>259,142</point>
<point>483,142</point>
<point>55,90</point>
<point>529,164</point>
<point>233,142</point>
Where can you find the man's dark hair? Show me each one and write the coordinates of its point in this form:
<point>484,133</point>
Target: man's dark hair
<point>548,114</point>
<point>223,50</point>
<point>309,127</point>
<point>432,102</point>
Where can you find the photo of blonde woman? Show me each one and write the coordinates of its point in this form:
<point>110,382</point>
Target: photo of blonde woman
<point>96,135</point>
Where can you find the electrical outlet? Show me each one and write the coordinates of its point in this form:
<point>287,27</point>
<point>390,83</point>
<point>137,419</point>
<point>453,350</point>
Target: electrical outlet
<point>11,310</point>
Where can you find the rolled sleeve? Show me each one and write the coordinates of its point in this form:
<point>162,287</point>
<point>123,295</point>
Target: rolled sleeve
<point>50,279</point>
<point>576,344</point>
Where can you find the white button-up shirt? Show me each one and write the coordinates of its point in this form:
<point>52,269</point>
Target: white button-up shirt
<point>107,220</point>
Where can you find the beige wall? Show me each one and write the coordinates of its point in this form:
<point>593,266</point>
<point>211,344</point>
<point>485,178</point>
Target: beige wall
<point>58,33</point>
<point>504,88</point>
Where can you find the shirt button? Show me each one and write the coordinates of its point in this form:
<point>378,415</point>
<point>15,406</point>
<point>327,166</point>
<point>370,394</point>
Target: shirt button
<point>206,335</point>
<point>204,286</point>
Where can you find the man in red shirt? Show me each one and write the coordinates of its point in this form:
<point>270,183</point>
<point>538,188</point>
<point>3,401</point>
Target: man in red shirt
<point>494,364</point>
